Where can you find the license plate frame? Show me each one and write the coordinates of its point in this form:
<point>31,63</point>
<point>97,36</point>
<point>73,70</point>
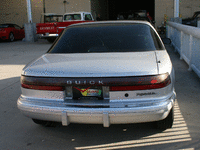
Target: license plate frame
<point>87,92</point>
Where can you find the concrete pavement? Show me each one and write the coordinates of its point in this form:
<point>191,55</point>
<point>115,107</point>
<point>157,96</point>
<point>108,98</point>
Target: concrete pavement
<point>19,132</point>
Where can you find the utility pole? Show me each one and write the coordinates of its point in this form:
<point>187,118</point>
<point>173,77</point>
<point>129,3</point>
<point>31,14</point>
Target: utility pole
<point>29,11</point>
<point>176,8</point>
<point>44,10</point>
<point>30,27</point>
<point>64,2</point>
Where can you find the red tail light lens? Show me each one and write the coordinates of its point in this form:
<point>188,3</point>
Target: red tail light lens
<point>116,83</point>
<point>146,83</point>
<point>47,88</point>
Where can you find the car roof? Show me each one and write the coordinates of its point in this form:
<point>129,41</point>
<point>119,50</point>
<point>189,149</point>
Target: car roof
<point>78,13</point>
<point>10,25</point>
<point>7,24</point>
<point>111,22</point>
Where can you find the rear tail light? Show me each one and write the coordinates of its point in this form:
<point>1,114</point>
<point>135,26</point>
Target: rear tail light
<point>146,83</point>
<point>47,88</point>
<point>115,83</point>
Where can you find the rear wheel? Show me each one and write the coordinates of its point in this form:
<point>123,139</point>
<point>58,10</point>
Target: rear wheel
<point>167,122</point>
<point>11,37</point>
<point>44,123</point>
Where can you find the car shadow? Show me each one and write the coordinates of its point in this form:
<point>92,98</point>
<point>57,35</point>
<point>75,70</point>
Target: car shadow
<point>123,136</point>
<point>8,82</point>
<point>92,134</point>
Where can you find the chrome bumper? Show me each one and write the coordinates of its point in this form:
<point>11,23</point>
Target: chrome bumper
<point>60,112</point>
<point>42,36</point>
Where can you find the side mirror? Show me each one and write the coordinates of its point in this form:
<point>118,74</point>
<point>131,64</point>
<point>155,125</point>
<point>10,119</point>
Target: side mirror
<point>166,40</point>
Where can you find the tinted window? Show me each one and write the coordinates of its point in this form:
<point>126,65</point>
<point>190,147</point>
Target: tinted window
<point>72,17</point>
<point>53,18</point>
<point>17,27</point>
<point>107,38</point>
<point>4,26</point>
<point>88,17</point>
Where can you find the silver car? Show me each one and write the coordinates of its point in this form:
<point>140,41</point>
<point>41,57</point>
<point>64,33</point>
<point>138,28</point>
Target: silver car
<point>115,72</point>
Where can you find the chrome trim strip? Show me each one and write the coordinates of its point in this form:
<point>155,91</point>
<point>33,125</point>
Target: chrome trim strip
<point>48,36</point>
<point>62,27</point>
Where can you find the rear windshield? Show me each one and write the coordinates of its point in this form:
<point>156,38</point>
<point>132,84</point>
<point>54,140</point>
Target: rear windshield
<point>4,26</point>
<point>107,38</point>
<point>72,17</point>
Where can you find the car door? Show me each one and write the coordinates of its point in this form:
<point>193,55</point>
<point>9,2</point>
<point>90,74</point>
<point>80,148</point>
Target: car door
<point>22,33</point>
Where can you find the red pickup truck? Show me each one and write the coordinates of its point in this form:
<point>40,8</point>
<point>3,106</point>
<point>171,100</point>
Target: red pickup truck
<point>51,28</point>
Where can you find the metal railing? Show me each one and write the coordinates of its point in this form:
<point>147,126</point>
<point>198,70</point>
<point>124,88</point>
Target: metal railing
<point>186,40</point>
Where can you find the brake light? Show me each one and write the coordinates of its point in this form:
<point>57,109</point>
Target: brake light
<point>146,83</point>
<point>47,88</point>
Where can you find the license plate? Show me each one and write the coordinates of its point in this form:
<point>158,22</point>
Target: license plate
<point>84,92</point>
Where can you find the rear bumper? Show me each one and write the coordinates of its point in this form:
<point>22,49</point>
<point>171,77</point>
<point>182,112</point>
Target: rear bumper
<point>4,36</point>
<point>60,112</point>
<point>42,36</point>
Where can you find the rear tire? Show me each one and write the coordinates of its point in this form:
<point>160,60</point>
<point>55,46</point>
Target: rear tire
<point>167,122</point>
<point>44,123</point>
<point>11,37</point>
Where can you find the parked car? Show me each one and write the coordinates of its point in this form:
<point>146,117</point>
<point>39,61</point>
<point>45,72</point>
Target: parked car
<point>135,15</point>
<point>50,30</point>
<point>192,21</point>
<point>11,32</point>
<point>114,72</point>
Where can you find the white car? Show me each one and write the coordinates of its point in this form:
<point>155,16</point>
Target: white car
<point>115,72</point>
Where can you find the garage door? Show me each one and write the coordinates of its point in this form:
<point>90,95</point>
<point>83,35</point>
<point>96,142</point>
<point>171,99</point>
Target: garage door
<point>115,7</point>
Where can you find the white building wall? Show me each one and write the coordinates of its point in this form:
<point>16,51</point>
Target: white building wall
<point>15,11</point>
<point>59,7</point>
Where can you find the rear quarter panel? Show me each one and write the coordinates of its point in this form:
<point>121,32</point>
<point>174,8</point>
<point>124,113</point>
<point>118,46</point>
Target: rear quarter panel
<point>165,64</point>
<point>8,31</point>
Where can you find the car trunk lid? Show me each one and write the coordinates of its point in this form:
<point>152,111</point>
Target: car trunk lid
<point>93,65</point>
